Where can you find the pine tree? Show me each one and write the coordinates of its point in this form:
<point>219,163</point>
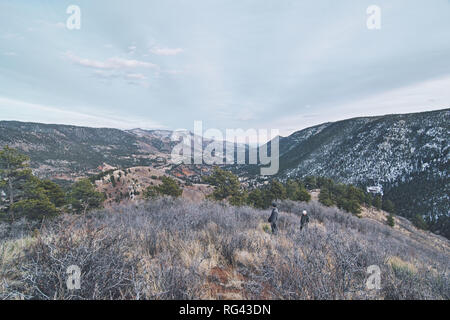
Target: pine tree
<point>239,198</point>
<point>29,196</point>
<point>168,187</point>
<point>292,190</point>
<point>54,192</point>
<point>390,220</point>
<point>84,197</point>
<point>388,206</point>
<point>377,202</point>
<point>303,195</point>
<point>325,197</point>
<point>255,199</point>
<point>14,174</point>
<point>419,222</point>
<point>277,190</point>
<point>310,183</point>
<point>225,183</point>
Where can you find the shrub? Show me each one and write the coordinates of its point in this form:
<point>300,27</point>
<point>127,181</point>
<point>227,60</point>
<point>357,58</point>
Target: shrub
<point>171,249</point>
<point>388,206</point>
<point>419,222</point>
<point>84,197</point>
<point>390,220</point>
<point>35,208</point>
<point>168,187</point>
<point>225,183</point>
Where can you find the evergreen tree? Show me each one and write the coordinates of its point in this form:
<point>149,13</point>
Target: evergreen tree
<point>303,195</point>
<point>151,193</point>
<point>390,220</point>
<point>54,192</point>
<point>267,197</point>
<point>28,196</point>
<point>168,187</point>
<point>310,183</point>
<point>113,180</point>
<point>377,202</point>
<point>277,190</point>
<point>325,197</point>
<point>255,199</point>
<point>355,193</point>
<point>239,199</point>
<point>84,197</point>
<point>14,174</point>
<point>34,208</point>
<point>292,190</point>
<point>419,222</point>
<point>368,199</point>
<point>225,183</point>
<point>388,206</point>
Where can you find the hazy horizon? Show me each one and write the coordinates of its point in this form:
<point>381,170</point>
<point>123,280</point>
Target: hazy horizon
<point>254,140</point>
<point>252,64</point>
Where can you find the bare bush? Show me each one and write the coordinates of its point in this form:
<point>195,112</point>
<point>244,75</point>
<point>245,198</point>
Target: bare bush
<point>170,249</point>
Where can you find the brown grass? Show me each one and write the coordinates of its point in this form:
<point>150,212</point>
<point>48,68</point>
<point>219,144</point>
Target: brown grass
<point>172,249</point>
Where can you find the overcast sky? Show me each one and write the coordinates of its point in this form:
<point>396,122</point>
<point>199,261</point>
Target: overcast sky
<point>280,64</point>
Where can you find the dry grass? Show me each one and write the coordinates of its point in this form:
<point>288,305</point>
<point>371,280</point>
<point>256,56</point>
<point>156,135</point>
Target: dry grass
<point>172,249</point>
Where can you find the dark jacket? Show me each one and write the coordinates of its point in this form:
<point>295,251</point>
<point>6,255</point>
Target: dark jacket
<point>304,219</point>
<point>274,216</point>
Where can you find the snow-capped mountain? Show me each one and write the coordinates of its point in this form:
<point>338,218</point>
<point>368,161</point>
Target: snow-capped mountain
<point>407,154</point>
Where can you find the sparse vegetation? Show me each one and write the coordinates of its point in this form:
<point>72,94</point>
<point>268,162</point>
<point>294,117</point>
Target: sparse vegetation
<point>168,187</point>
<point>390,220</point>
<point>171,249</point>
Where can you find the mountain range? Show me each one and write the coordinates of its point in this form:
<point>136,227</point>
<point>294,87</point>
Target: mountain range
<point>407,154</point>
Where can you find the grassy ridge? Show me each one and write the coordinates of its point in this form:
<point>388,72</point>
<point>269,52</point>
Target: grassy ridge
<point>170,249</point>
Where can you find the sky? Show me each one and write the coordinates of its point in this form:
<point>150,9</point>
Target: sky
<point>262,64</point>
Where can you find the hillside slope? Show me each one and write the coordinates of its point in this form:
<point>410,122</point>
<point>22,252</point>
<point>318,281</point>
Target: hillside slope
<point>173,249</point>
<point>407,154</point>
<point>65,152</point>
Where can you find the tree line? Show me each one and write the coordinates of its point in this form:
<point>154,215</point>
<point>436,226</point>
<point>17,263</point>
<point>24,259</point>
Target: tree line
<point>22,194</point>
<point>345,196</point>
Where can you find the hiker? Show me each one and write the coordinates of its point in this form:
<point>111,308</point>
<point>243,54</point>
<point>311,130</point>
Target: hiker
<point>274,218</point>
<point>304,220</point>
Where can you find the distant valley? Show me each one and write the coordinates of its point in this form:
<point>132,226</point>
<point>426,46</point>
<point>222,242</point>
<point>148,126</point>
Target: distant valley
<point>407,154</point>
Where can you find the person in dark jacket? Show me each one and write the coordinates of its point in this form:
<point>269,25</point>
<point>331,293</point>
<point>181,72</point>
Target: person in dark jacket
<point>274,218</point>
<point>304,220</point>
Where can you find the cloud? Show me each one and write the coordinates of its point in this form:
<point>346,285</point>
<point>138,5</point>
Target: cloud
<point>110,64</point>
<point>245,115</point>
<point>136,76</point>
<point>25,111</point>
<point>132,49</point>
<point>106,74</point>
<point>60,25</point>
<point>9,53</point>
<point>424,96</point>
<point>138,79</point>
<point>9,36</point>
<point>166,51</point>
<point>135,79</point>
